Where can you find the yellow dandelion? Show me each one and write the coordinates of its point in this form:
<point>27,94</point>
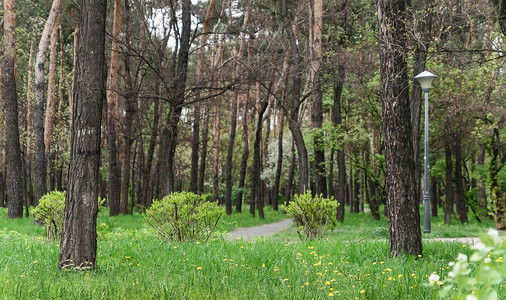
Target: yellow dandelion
<point>362,292</point>
<point>127,257</point>
<point>499,259</point>
<point>263,265</point>
<point>331,294</point>
<point>400,276</point>
<point>199,268</point>
<point>388,270</point>
<point>285,280</point>
<point>464,245</point>
<point>327,282</point>
<point>35,261</point>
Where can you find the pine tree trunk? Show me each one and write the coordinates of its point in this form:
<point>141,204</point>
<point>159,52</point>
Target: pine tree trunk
<point>317,109</point>
<point>78,246</point>
<point>13,158</point>
<point>449,185</point>
<point>28,157</point>
<point>113,116</point>
<point>245,153</point>
<point>40,164</point>
<point>279,163</point>
<point>403,214</point>
<point>203,158</point>
<point>2,139</point>
<point>337,120</point>
<point>461,203</point>
<point>230,152</point>
<point>216,151</point>
<point>256,197</point>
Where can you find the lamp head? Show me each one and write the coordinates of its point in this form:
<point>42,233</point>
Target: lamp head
<point>425,78</point>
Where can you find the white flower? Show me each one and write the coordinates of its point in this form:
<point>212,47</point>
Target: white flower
<point>451,274</point>
<point>471,297</point>
<point>451,264</point>
<point>433,278</point>
<point>481,247</point>
<point>487,260</point>
<point>493,233</point>
<point>462,257</point>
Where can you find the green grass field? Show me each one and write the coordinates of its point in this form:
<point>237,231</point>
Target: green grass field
<point>133,264</point>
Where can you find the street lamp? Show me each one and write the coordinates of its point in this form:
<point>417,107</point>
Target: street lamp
<point>425,78</point>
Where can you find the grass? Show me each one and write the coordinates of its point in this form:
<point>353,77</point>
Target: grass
<point>133,264</point>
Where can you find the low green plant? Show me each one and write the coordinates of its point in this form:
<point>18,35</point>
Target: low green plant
<point>479,276</point>
<point>313,216</point>
<point>183,217</point>
<point>50,213</point>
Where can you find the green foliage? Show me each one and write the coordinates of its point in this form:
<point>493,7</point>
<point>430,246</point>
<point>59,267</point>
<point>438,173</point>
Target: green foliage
<point>480,276</point>
<point>50,213</point>
<point>183,217</point>
<point>312,215</point>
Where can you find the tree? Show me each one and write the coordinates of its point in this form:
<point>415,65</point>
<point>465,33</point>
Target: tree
<point>403,215</point>
<point>14,183</point>
<point>112,117</point>
<point>40,167</point>
<point>78,246</point>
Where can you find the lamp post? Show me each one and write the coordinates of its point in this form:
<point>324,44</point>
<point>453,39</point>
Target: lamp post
<point>425,78</point>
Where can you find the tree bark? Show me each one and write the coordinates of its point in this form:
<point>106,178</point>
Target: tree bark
<point>256,197</point>
<point>245,153</point>
<point>170,133</point>
<point>203,158</point>
<point>279,163</point>
<point>78,246</point>
<point>448,185</point>
<point>230,150</point>
<point>13,158</point>
<point>461,203</point>
<point>216,151</point>
<point>317,109</point>
<point>403,214</point>
<point>2,138</point>
<point>112,116</point>
<point>337,120</point>
<point>196,119</point>
<point>40,164</point>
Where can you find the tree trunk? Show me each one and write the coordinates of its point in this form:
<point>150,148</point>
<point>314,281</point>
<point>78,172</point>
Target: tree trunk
<point>2,138</point>
<point>78,246</point>
<point>317,109</point>
<point>403,214</point>
<point>279,164</point>
<point>40,164</point>
<point>245,153</point>
<point>291,177</point>
<point>256,197</point>
<point>51,91</point>
<point>112,116</point>
<point>202,170</point>
<point>28,157</point>
<point>341,167</point>
<point>230,150</point>
<point>13,158</point>
<point>433,196</point>
<point>461,203</point>
<point>216,151</point>
<point>449,185</point>
<point>127,148</point>
<point>196,119</point>
<point>170,133</point>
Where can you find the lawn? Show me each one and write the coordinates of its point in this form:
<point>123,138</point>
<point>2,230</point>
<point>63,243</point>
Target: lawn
<point>133,264</point>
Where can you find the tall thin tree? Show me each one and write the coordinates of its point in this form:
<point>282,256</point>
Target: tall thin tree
<point>403,215</point>
<point>78,246</point>
<point>14,183</point>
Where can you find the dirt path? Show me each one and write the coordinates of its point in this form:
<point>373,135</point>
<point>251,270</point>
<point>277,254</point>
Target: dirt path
<point>266,230</point>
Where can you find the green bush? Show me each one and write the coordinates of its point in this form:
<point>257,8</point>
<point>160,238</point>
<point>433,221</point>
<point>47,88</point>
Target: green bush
<point>50,213</point>
<point>183,217</point>
<point>313,216</point>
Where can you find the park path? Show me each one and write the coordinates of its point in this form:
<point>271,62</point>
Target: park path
<point>266,230</point>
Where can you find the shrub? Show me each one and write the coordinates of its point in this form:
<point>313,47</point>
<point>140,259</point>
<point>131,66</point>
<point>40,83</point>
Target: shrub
<point>481,275</point>
<point>312,215</point>
<point>183,217</point>
<point>50,213</point>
